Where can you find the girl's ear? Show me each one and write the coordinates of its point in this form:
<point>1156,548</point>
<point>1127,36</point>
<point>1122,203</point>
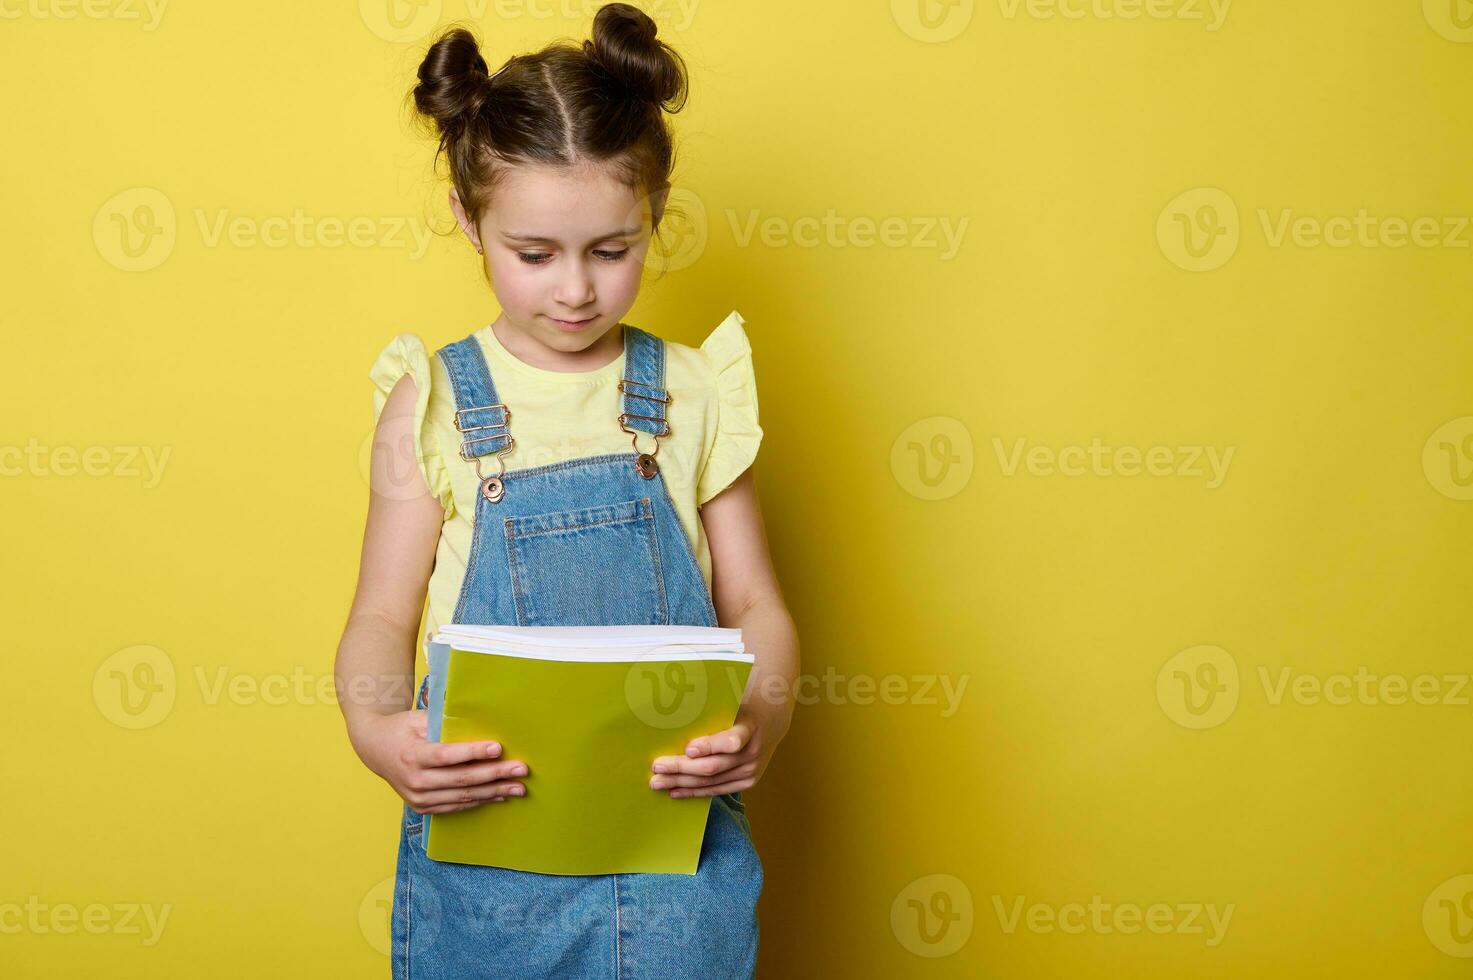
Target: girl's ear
<point>464,220</point>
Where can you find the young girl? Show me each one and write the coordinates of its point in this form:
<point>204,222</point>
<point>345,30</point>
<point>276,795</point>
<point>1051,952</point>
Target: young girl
<point>560,467</point>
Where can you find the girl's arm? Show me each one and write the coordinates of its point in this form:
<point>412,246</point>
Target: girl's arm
<point>399,542</point>
<point>746,593</point>
<point>375,660</point>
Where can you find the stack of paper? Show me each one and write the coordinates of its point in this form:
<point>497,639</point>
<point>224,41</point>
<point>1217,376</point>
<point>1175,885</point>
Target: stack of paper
<point>589,709</point>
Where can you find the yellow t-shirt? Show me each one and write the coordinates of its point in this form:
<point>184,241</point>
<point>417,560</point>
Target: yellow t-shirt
<point>558,415</point>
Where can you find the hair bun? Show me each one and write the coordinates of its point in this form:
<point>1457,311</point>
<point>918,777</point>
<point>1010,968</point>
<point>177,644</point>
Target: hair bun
<point>626,47</point>
<point>452,80</point>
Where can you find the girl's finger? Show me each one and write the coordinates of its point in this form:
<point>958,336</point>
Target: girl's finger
<point>466,806</point>
<point>469,774</point>
<point>732,787</point>
<point>468,796</point>
<point>730,740</point>
<point>428,754</point>
<point>706,765</point>
<point>686,779</point>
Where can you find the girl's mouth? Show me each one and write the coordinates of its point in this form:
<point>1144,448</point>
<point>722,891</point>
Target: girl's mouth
<point>572,325</point>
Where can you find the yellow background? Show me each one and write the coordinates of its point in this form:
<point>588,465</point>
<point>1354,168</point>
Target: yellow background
<point>1338,539</point>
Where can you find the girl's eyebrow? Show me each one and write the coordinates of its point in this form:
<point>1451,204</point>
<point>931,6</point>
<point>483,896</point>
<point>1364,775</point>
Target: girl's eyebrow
<point>520,237</point>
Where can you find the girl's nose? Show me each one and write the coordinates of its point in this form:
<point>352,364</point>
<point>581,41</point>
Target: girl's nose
<point>575,290</point>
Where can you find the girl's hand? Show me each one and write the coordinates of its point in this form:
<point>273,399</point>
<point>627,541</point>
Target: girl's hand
<point>726,762</point>
<point>435,777</point>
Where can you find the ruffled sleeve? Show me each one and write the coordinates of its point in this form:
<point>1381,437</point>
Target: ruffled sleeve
<point>407,354</point>
<point>733,446</point>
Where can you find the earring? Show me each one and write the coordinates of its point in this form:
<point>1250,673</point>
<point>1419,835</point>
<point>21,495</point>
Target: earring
<point>478,250</point>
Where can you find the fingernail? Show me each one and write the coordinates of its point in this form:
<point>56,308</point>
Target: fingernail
<point>518,791</point>
<point>518,770</point>
<point>661,767</point>
<point>657,784</point>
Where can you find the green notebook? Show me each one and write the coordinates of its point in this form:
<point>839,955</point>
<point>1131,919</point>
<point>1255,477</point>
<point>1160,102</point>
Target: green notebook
<point>588,709</point>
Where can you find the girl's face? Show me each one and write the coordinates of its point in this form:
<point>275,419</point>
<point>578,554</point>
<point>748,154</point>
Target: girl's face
<point>565,250</point>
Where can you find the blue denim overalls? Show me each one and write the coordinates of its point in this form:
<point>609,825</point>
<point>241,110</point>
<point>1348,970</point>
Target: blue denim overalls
<point>590,541</point>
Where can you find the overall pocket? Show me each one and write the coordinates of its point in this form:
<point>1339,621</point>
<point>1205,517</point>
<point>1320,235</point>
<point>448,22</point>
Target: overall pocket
<point>593,566</point>
<point>413,824</point>
<point>738,810</point>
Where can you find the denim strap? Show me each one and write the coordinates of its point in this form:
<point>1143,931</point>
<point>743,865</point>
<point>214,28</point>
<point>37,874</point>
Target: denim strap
<point>483,420</point>
<point>644,382</point>
<point>479,416</point>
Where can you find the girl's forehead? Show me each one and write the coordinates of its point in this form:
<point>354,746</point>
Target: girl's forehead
<point>542,200</point>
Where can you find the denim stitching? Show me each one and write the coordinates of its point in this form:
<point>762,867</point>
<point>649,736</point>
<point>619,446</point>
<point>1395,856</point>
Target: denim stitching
<point>574,527</point>
<point>408,909</point>
<point>618,939</point>
<point>649,515</point>
<point>705,590</point>
<point>515,571</point>
<point>472,561</point>
<point>603,459</point>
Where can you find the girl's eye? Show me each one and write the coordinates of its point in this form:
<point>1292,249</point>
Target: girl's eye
<point>541,258</point>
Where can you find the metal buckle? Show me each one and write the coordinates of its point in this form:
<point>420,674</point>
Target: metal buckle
<point>492,487</point>
<point>644,463</point>
<point>635,394</point>
<point>650,418</point>
<point>663,399</point>
<point>465,443</point>
<point>506,412</point>
<point>511,441</point>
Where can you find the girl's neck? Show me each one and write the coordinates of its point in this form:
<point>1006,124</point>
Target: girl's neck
<point>529,350</point>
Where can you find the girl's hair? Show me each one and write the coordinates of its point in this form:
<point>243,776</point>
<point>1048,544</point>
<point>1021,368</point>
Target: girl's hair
<point>566,105</point>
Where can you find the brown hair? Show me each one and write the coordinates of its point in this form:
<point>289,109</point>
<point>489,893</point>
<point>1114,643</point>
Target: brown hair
<point>566,105</point>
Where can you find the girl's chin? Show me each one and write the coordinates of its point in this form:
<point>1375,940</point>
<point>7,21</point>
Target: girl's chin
<point>571,342</point>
